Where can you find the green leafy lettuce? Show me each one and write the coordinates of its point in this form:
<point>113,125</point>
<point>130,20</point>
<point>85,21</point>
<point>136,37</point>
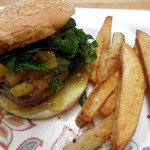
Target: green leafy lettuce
<point>82,99</point>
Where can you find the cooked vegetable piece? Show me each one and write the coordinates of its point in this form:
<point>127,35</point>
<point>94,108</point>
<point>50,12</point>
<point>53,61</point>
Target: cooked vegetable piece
<point>48,57</point>
<point>14,79</point>
<point>21,89</point>
<point>3,70</point>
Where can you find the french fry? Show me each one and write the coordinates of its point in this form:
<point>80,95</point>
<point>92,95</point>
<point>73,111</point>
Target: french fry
<point>110,68</point>
<point>93,137</point>
<point>103,39</point>
<point>111,65</point>
<point>130,99</point>
<point>138,53</point>
<point>144,43</point>
<point>96,99</point>
<point>109,106</point>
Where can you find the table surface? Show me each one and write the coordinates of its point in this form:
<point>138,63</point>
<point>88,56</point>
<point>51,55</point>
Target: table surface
<point>119,4</point>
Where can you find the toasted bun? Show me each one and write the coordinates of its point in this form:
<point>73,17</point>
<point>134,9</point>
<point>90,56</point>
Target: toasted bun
<point>31,20</point>
<point>56,104</point>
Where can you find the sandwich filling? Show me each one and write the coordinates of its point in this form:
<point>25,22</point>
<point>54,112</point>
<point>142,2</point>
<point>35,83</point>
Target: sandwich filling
<point>30,74</point>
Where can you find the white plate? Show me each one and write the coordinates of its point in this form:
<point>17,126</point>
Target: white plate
<point>54,133</point>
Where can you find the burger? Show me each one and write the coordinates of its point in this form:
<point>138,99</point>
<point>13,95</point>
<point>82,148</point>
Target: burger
<point>44,59</point>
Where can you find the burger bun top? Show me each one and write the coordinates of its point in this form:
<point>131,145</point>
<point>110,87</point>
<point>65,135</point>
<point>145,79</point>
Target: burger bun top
<point>29,21</point>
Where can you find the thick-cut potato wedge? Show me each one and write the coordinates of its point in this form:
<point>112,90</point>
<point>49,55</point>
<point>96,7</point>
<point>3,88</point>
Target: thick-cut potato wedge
<point>111,65</point>
<point>103,39</point>
<point>96,99</point>
<point>93,137</point>
<point>109,106</point>
<point>138,53</point>
<point>144,43</point>
<point>130,99</point>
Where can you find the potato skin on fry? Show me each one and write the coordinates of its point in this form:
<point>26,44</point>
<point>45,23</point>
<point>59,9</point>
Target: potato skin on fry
<point>93,137</point>
<point>138,53</point>
<point>130,99</point>
<point>137,48</point>
<point>144,51</point>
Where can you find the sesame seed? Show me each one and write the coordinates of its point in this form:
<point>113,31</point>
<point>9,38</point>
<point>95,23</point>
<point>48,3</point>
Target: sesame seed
<point>17,18</point>
<point>47,5</point>
<point>2,15</point>
<point>38,5</point>
<point>21,17</point>
<point>36,10</point>
<point>14,10</point>
<point>68,9</point>
<point>21,11</point>
<point>42,7</point>
<point>64,9</point>
<point>3,19</point>
<point>28,13</point>
<point>60,7</point>
<point>55,2</point>
<point>10,15</point>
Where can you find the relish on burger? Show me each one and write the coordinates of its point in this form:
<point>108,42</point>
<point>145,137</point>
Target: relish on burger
<point>44,60</point>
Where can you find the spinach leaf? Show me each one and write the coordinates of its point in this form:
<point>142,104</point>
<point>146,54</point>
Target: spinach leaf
<point>62,61</point>
<point>23,57</point>
<point>11,64</point>
<point>62,68</point>
<point>75,65</point>
<point>91,57</point>
<point>56,83</point>
<point>70,24</point>
<point>32,65</point>
<point>83,98</point>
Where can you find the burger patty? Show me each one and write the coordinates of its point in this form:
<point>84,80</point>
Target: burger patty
<point>26,100</point>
